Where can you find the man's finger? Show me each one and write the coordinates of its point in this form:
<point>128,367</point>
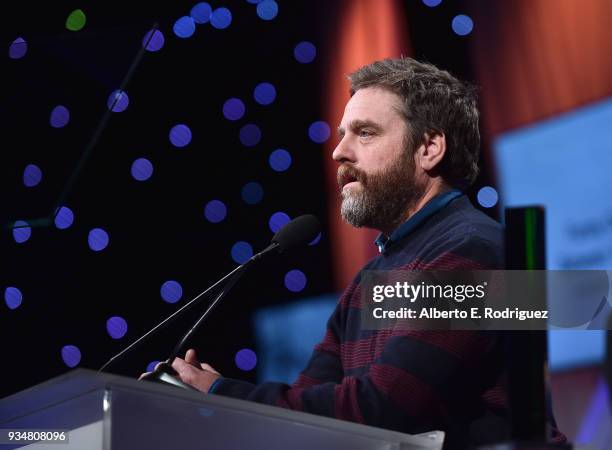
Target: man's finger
<point>191,357</point>
<point>209,368</point>
<point>181,366</point>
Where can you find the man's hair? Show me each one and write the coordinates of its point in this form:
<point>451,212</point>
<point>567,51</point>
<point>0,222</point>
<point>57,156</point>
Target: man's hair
<point>434,102</point>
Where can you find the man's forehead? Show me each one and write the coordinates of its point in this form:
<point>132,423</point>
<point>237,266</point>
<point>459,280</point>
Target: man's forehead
<point>372,104</point>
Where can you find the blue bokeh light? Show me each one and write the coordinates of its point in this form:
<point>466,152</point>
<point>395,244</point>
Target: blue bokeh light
<point>64,218</point>
<point>116,327</point>
<point>97,239</point>
<point>246,359</point>
<point>295,280</point>
<point>278,220</point>
<point>201,12</point>
<point>250,135</point>
<point>141,169</point>
<point>171,291</point>
<point>264,93</point>
<point>319,132</point>
<point>118,101</point>
<point>462,25</point>
<point>153,40</point>
<point>151,366</point>
<point>71,355</point>
<point>316,240</point>
<point>252,193</point>
<point>180,135</point>
<point>184,27</point>
<point>60,116</point>
<point>305,52</point>
<point>241,252</point>
<point>487,197</point>
<point>432,3</point>
<point>32,175</point>
<point>215,211</point>
<point>221,18</point>
<point>18,48</point>
<point>267,9</point>
<point>21,231</point>
<point>280,160</point>
<point>12,297</point>
<point>233,109</point>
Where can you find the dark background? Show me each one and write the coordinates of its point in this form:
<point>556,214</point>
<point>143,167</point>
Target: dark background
<point>157,228</point>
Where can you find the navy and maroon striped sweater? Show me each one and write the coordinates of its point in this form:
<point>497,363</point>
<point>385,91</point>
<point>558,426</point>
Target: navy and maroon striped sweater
<point>408,381</point>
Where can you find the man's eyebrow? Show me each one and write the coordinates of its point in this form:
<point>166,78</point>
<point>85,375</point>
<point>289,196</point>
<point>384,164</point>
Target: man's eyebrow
<point>358,124</point>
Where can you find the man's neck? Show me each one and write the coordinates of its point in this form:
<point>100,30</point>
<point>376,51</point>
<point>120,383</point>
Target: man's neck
<point>430,192</point>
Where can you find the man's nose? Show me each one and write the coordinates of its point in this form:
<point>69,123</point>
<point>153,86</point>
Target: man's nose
<point>343,151</point>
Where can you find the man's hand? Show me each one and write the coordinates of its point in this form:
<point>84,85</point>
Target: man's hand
<point>190,371</point>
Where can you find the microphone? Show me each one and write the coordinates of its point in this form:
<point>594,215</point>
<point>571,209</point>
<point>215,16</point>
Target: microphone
<point>299,231</point>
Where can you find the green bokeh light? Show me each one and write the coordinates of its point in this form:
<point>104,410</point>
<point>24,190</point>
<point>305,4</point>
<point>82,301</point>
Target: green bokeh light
<point>76,20</point>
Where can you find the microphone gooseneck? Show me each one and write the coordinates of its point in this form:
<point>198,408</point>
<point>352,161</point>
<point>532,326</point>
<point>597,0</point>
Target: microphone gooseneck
<point>299,231</point>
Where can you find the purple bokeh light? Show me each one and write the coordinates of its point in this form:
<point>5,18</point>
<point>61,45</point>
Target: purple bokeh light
<point>221,18</point>
<point>60,116</point>
<point>97,239</point>
<point>180,135</point>
<point>278,220</point>
<point>305,52</point>
<point>71,355</point>
<point>264,93</point>
<point>319,132</point>
<point>267,9</point>
<point>13,297</point>
<point>233,109</point>
<point>21,231</point>
<point>32,175</point>
<point>153,40</point>
<point>151,366</point>
<point>462,25</point>
<point>171,291</point>
<point>280,160</point>
<point>201,13</point>
<point>18,48</point>
<point>118,101</point>
<point>250,135</point>
<point>64,218</point>
<point>241,252</point>
<point>487,197</point>
<point>246,359</point>
<point>184,27</point>
<point>141,169</point>
<point>295,280</point>
<point>116,327</point>
<point>215,211</point>
<point>316,240</point>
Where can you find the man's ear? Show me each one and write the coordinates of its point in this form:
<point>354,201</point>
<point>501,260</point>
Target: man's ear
<point>432,151</point>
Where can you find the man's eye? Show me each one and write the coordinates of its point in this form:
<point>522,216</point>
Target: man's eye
<point>365,133</point>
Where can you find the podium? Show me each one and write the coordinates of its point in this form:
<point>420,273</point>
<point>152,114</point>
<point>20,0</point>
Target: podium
<point>109,412</point>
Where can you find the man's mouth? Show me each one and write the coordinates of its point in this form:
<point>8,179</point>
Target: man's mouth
<point>348,180</point>
<point>347,177</point>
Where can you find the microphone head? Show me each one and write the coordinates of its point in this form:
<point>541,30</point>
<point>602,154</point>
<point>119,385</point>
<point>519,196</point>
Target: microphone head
<point>300,230</point>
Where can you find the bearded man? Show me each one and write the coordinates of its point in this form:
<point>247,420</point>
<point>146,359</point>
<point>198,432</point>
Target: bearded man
<point>409,144</point>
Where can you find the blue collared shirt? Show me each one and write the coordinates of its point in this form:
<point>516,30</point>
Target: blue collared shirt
<point>431,207</point>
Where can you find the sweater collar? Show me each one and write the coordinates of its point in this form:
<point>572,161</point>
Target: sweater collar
<point>429,209</point>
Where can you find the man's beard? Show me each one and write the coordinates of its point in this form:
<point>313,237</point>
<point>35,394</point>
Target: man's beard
<point>384,197</point>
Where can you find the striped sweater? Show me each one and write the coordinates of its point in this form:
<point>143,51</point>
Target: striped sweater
<point>408,381</point>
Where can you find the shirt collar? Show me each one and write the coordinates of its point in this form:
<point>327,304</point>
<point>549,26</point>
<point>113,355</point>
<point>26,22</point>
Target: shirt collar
<point>431,207</point>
